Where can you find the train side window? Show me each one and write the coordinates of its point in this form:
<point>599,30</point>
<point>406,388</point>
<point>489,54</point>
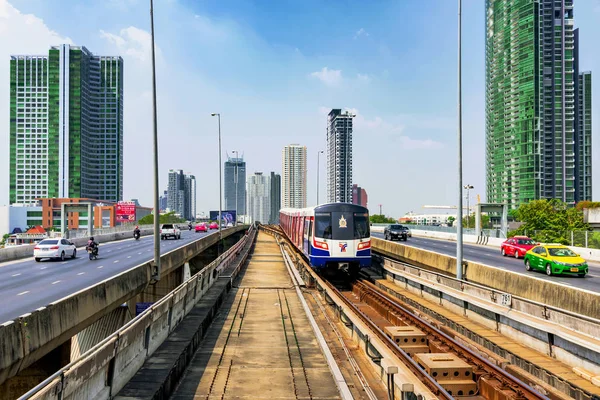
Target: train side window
<point>323,226</point>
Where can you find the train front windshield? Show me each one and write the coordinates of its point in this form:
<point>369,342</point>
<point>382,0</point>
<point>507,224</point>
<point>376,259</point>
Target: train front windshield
<point>342,226</point>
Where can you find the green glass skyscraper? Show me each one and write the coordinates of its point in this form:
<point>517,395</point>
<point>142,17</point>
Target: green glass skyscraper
<point>66,125</point>
<point>538,132</point>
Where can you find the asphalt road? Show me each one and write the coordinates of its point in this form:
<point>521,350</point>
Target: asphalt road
<point>491,256</point>
<point>26,285</point>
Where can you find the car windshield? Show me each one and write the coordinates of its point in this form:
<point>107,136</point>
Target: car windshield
<point>561,252</point>
<point>49,242</point>
<point>396,227</point>
<point>526,241</point>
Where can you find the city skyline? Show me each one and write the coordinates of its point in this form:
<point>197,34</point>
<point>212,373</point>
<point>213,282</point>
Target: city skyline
<point>412,119</point>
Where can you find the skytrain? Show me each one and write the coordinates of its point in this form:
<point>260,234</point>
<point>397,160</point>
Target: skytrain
<point>333,235</point>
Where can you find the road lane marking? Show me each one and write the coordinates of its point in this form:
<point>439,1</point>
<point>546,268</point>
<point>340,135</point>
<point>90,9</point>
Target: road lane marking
<point>43,267</point>
<point>16,274</point>
<point>22,293</point>
<point>128,256</point>
<point>119,248</point>
<point>64,262</point>
<point>116,261</point>
<point>102,266</point>
<point>139,253</point>
<point>81,273</point>
<point>54,283</point>
<point>109,251</point>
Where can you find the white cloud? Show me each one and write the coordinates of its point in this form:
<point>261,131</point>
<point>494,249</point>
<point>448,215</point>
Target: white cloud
<point>395,132</point>
<point>133,42</point>
<point>363,78</point>
<point>361,32</point>
<point>330,77</point>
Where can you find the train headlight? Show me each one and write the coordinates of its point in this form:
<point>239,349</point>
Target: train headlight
<point>364,245</point>
<point>321,245</point>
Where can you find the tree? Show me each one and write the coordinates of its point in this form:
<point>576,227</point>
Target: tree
<point>549,221</point>
<point>4,238</point>
<point>168,218</point>
<point>450,221</point>
<point>485,221</point>
<point>381,219</point>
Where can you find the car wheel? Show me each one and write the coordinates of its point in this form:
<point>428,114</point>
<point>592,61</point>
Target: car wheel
<point>582,275</point>
<point>74,253</point>
<point>503,252</point>
<point>517,254</point>
<point>37,259</point>
<point>527,266</point>
<point>548,269</point>
<point>62,256</point>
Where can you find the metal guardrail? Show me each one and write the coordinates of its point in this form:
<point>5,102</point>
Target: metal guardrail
<point>176,305</point>
<point>81,233</point>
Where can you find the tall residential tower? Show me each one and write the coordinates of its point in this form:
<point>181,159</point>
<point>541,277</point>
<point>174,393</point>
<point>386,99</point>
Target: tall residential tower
<point>66,125</point>
<point>235,185</point>
<point>259,204</point>
<point>538,120</point>
<point>181,194</point>
<point>293,179</point>
<point>339,156</point>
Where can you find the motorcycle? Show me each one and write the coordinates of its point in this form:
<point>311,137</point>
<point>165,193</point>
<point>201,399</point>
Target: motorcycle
<point>92,252</point>
<point>189,227</point>
<point>136,235</point>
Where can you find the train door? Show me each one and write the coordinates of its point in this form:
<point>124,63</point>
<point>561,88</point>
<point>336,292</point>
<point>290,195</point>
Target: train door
<point>306,241</point>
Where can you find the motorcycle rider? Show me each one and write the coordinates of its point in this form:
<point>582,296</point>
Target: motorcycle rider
<point>91,244</point>
<point>136,232</point>
<point>190,226</point>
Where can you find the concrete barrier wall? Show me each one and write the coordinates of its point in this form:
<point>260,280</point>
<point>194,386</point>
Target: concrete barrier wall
<point>25,251</point>
<point>539,290</point>
<point>104,370</point>
<point>33,335</point>
<point>586,252</point>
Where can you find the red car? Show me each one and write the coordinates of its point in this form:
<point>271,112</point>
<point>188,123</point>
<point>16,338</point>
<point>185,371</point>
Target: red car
<point>517,246</point>
<point>201,228</point>
<point>214,225</point>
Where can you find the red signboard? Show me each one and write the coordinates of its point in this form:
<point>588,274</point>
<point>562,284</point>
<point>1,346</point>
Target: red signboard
<point>125,211</point>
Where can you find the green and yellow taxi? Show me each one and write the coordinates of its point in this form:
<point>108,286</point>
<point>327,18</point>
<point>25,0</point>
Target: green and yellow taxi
<point>555,259</point>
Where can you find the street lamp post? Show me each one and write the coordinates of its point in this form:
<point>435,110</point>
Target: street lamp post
<point>236,184</point>
<point>459,228</point>
<point>156,273</point>
<point>220,181</point>
<point>318,175</point>
<point>468,187</point>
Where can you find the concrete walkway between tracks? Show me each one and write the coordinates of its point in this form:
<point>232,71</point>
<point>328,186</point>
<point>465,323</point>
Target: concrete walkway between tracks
<point>261,345</point>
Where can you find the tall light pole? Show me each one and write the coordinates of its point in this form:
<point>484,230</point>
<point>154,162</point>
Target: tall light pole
<point>380,212</point>
<point>156,273</point>
<point>459,228</point>
<point>468,187</point>
<point>220,180</point>
<point>236,184</point>
<point>318,175</point>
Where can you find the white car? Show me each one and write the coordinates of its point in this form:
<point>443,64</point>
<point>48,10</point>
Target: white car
<point>54,248</point>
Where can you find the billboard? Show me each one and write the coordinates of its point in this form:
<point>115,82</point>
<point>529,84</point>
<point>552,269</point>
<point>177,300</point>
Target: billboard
<point>228,216</point>
<point>125,211</point>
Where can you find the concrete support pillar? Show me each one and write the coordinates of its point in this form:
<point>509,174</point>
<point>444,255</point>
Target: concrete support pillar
<point>186,272</point>
<point>478,219</point>
<point>504,221</point>
<point>90,225</point>
<point>34,374</point>
<point>63,217</point>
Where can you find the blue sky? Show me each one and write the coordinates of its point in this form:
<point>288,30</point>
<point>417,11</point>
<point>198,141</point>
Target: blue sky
<point>273,69</point>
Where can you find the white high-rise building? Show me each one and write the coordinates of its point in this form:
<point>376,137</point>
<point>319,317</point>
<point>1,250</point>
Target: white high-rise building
<point>258,202</point>
<point>293,177</point>
<point>339,156</point>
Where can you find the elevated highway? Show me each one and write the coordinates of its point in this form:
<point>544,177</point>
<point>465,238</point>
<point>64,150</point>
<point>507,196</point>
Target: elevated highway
<point>65,298</point>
